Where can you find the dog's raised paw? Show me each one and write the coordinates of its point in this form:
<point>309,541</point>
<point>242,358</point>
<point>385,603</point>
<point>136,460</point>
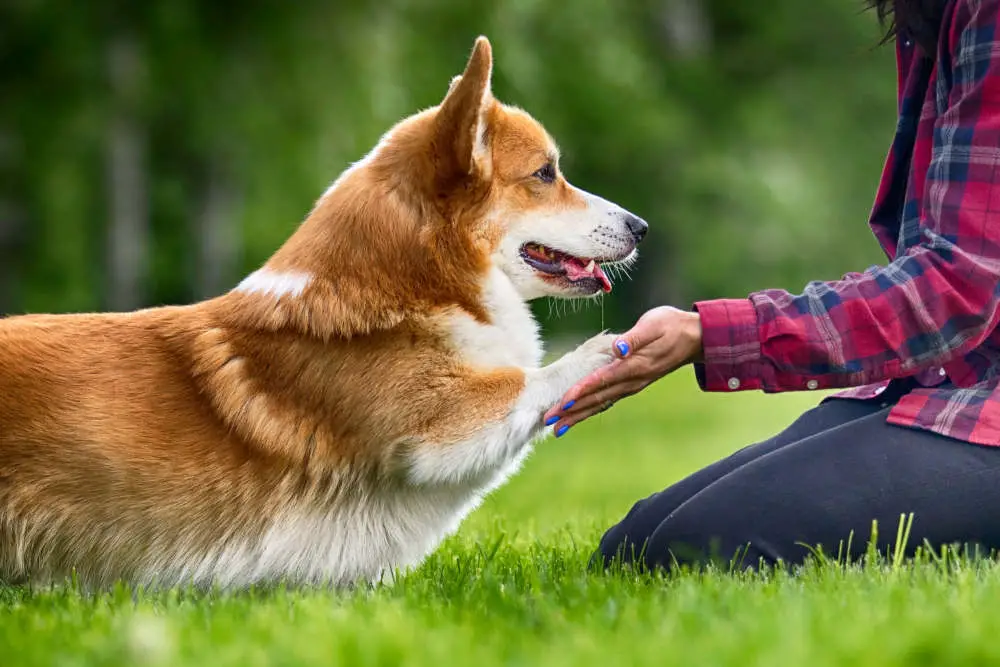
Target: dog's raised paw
<point>595,352</point>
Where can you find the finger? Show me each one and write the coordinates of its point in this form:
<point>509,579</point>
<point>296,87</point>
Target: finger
<point>643,333</point>
<point>615,373</point>
<point>602,377</point>
<point>603,398</point>
<point>619,370</point>
<point>595,404</point>
<point>568,421</point>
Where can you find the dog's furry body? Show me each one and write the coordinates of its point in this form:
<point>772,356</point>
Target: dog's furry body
<point>338,413</point>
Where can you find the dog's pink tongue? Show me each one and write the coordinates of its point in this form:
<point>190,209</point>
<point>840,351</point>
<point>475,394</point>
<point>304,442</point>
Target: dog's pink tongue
<point>576,270</point>
<point>599,274</point>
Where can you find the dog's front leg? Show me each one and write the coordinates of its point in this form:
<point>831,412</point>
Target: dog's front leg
<point>500,443</point>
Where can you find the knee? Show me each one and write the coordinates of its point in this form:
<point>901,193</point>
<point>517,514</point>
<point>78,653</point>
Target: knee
<point>678,540</point>
<point>690,540</point>
<point>624,543</point>
<point>618,547</point>
<point>706,533</point>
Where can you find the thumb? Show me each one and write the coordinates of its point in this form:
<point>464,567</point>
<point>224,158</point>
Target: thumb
<point>642,334</point>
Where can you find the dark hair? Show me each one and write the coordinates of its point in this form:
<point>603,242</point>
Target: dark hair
<point>920,20</point>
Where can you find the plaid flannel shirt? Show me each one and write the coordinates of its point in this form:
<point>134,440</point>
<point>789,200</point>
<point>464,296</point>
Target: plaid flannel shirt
<point>931,313</point>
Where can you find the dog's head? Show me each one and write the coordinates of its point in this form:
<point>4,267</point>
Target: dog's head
<point>447,195</point>
<point>549,237</point>
<point>493,173</point>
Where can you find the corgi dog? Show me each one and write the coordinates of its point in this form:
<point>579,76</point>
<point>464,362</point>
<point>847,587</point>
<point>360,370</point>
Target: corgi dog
<point>336,415</point>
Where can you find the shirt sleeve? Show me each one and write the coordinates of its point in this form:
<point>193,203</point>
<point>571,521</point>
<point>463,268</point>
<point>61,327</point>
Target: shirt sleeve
<point>935,302</point>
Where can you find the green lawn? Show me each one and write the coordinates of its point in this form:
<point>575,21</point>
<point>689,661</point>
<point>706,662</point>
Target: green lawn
<point>512,589</point>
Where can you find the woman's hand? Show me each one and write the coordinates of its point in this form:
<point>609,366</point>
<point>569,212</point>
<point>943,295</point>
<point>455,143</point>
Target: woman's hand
<point>663,340</point>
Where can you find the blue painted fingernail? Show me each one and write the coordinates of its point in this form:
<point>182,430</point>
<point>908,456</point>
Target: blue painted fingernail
<point>622,348</point>
<point>561,431</point>
<point>552,420</point>
<point>569,405</point>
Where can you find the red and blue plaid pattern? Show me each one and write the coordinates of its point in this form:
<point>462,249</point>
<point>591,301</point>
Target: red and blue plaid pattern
<point>931,313</point>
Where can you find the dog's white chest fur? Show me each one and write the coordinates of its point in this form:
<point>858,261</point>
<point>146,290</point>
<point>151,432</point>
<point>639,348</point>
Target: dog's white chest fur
<point>364,538</point>
<point>511,339</point>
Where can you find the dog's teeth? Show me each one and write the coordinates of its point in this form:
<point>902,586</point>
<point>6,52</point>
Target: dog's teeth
<point>590,267</point>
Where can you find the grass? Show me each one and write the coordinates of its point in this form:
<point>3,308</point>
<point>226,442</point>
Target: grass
<point>512,587</point>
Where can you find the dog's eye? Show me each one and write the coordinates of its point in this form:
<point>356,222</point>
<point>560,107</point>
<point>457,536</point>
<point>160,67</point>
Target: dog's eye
<point>546,174</point>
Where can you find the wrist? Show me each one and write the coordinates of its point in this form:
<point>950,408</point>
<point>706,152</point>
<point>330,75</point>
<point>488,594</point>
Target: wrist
<point>692,334</point>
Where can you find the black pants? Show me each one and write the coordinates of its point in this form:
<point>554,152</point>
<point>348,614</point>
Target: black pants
<point>837,468</point>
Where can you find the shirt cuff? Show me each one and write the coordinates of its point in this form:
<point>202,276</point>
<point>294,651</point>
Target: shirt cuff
<point>731,358</point>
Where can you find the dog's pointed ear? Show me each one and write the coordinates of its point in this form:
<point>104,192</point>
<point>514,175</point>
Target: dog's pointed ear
<point>461,133</point>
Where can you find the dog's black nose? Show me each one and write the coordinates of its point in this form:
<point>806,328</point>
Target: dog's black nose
<point>637,226</point>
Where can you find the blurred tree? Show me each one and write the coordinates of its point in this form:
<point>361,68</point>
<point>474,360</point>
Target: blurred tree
<point>154,153</point>
<point>126,178</point>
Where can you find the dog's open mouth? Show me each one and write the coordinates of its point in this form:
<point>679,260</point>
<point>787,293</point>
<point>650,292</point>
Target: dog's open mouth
<point>576,270</point>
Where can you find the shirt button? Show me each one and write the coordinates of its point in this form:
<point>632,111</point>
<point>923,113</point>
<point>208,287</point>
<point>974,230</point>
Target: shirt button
<point>942,372</point>
<point>734,383</point>
<point>812,384</point>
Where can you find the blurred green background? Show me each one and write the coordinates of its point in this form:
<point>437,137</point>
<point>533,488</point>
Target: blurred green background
<point>155,152</point>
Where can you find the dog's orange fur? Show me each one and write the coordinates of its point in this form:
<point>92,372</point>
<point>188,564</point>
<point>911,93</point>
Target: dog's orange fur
<point>128,440</point>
